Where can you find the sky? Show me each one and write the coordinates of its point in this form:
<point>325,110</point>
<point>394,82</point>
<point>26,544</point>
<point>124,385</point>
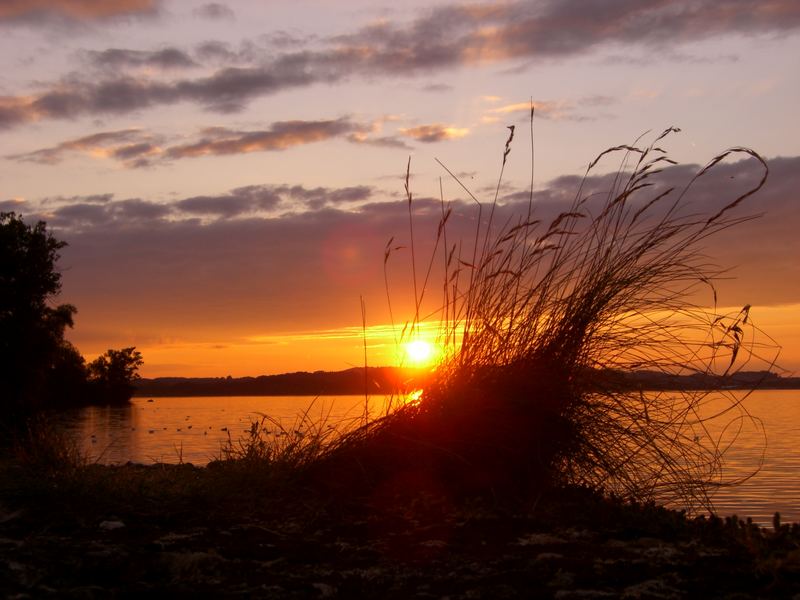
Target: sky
<point>228,174</point>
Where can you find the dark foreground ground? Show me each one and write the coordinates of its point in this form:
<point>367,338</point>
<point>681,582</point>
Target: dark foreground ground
<point>224,532</point>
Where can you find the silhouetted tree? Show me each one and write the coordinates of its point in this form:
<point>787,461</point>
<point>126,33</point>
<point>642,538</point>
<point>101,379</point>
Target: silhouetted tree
<point>112,375</point>
<point>31,328</point>
<point>67,384</point>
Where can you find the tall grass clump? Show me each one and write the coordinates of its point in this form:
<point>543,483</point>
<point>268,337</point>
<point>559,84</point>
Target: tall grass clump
<point>43,448</point>
<point>541,320</point>
<point>281,453</point>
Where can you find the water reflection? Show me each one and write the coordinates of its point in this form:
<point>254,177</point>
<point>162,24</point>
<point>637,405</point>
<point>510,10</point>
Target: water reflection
<point>107,433</point>
<point>194,429</point>
<point>775,487</point>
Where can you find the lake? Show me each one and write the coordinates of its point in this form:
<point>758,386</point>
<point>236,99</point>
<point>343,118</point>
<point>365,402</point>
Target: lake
<point>194,429</point>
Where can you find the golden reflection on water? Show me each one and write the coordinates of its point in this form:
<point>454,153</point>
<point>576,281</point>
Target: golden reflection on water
<point>776,486</point>
<point>193,429</point>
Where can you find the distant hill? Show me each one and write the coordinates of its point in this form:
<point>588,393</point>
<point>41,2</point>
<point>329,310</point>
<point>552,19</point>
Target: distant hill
<point>379,380</point>
<point>389,380</point>
<point>650,380</point>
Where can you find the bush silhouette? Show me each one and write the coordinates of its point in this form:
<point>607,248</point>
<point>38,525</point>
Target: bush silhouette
<point>112,374</point>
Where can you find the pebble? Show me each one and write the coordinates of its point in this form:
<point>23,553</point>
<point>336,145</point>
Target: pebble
<point>111,525</point>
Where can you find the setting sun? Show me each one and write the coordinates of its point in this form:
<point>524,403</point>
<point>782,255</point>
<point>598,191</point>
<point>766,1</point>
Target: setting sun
<point>420,352</point>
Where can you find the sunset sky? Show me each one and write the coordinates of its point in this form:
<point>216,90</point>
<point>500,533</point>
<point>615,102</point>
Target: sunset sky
<point>228,174</point>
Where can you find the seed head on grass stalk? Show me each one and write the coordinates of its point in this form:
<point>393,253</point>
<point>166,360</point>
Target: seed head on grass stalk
<point>542,319</point>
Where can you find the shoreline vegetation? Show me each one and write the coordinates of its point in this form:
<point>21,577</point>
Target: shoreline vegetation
<point>235,530</point>
<point>531,464</point>
<point>391,380</point>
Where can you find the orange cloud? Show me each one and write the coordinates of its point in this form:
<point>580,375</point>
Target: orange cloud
<point>137,148</point>
<point>435,132</point>
<point>558,110</point>
<point>16,109</point>
<point>129,146</point>
<point>75,9</point>
<point>280,136</point>
<point>544,108</point>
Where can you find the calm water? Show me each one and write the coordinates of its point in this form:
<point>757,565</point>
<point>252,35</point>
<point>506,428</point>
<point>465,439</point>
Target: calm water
<point>194,429</point>
<point>776,487</point>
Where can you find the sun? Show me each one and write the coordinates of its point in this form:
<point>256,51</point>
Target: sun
<point>419,352</point>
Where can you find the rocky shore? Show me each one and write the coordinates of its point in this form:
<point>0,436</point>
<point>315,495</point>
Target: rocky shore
<point>203,532</point>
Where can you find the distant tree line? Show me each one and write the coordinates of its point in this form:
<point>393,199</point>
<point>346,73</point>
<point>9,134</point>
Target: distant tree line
<point>379,381</point>
<point>39,368</point>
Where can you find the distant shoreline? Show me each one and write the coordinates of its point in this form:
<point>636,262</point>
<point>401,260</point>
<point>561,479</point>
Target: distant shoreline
<point>378,381</point>
<point>392,380</point>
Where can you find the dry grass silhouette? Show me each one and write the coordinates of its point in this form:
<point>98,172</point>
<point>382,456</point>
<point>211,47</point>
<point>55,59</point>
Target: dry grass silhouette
<point>541,320</point>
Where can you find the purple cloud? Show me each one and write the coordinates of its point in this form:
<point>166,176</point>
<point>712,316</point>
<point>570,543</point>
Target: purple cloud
<point>475,34</point>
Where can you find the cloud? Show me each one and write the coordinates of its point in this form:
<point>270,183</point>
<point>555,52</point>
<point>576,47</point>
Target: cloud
<point>321,197</point>
<point>437,87</point>
<point>88,199</point>
<point>261,198</point>
<point>215,11</point>
<point>16,205</point>
<point>82,215</point>
<point>128,146</point>
<point>476,34</point>
<point>287,39</point>
<point>305,269</point>
<point>762,250</point>
<point>669,55</point>
<point>280,136</point>
<point>544,107</point>
<point>597,100</point>
<point>45,12</point>
<point>79,213</point>
<point>221,53</point>
<point>292,271</point>
<point>494,32</point>
<point>237,202</point>
<point>134,151</point>
<point>117,59</point>
<point>385,141</point>
<point>138,266</point>
<point>435,132</point>
<point>227,90</point>
<point>15,110</point>
<point>135,148</point>
<point>557,110</point>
